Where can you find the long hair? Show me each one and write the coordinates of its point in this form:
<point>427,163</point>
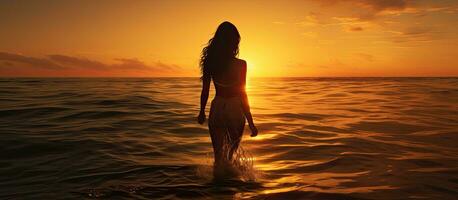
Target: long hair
<point>220,50</point>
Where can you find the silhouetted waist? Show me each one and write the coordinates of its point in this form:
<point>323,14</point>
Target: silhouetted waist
<point>228,93</point>
<point>226,98</point>
<point>226,104</point>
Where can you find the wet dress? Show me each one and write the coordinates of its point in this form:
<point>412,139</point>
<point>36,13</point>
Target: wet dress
<point>226,120</point>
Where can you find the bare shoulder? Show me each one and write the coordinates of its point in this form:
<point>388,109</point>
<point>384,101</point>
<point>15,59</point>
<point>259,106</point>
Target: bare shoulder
<point>240,62</point>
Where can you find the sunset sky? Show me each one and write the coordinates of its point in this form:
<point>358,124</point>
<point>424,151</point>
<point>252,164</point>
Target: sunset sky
<point>279,38</point>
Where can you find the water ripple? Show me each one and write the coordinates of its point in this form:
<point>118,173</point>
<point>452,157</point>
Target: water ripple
<point>320,138</point>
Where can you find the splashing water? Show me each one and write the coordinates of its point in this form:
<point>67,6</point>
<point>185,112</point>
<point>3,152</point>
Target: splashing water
<point>241,167</point>
<point>244,163</point>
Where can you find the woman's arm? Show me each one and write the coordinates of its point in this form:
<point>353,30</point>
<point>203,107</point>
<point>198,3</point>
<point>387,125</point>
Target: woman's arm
<point>204,98</point>
<point>245,103</point>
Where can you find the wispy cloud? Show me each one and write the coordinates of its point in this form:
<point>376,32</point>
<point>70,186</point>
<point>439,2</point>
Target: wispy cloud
<point>373,4</point>
<point>369,9</point>
<point>365,56</point>
<point>396,21</point>
<point>76,62</point>
<point>27,61</point>
<point>11,63</point>
<point>415,34</point>
<point>355,28</point>
<point>372,9</point>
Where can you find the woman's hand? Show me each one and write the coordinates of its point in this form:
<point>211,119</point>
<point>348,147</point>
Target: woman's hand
<point>201,117</point>
<point>254,130</point>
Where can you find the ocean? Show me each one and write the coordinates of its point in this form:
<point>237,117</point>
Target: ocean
<point>319,138</point>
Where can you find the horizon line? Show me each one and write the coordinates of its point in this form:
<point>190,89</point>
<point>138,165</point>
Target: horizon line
<point>453,76</point>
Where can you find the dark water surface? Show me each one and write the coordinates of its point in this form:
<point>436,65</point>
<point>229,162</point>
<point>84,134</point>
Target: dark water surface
<point>320,138</point>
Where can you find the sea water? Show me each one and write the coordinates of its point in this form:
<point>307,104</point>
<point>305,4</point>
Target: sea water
<point>319,138</point>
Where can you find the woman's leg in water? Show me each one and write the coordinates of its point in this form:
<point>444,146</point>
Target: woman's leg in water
<point>218,132</point>
<point>234,138</point>
<point>226,123</point>
<point>217,135</point>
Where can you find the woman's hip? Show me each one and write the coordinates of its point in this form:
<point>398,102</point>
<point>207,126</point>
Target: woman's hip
<point>226,110</point>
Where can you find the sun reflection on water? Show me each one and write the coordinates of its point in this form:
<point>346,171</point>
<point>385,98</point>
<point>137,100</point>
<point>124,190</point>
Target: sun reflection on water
<point>262,136</point>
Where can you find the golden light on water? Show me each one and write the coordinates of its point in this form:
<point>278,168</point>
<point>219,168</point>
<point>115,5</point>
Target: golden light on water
<point>280,190</point>
<point>262,136</point>
<point>316,135</point>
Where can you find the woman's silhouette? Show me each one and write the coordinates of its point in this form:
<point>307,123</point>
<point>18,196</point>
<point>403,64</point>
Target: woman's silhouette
<point>230,106</point>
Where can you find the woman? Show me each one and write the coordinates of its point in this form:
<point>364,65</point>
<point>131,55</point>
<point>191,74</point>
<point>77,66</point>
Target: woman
<point>230,106</point>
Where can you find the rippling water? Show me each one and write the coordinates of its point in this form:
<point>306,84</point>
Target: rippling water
<point>320,138</point>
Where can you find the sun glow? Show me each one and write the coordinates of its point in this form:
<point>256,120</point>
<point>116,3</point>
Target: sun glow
<point>278,39</point>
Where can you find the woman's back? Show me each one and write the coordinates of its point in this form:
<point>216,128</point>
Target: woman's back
<point>230,107</point>
<point>230,83</point>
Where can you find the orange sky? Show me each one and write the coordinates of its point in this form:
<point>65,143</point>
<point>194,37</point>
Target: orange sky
<point>279,38</point>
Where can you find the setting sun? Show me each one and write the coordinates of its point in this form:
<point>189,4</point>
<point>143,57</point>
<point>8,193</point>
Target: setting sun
<point>165,38</point>
<point>240,99</point>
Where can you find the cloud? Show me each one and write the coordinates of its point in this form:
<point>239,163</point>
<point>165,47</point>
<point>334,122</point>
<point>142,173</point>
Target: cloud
<point>350,24</point>
<point>382,5</point>
<point>369,10</point>
<point>313,18</point>
<point>365,56</point>
<point>417,30</point>
<point>355,28</point>
<point>40,63</point>
<point>75,62</point>
<point>165,66</point>
<point>379,17</point>
<point>11,63</point>
<point>133,64</point>
<point>376,5</point>
<point>415,34</point>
